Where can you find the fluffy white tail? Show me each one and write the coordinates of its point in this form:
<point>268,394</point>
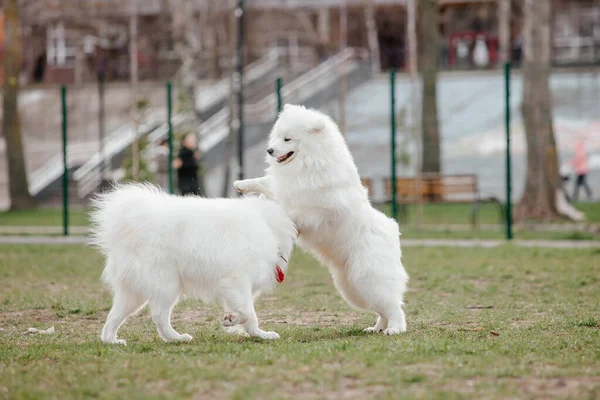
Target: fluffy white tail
<point>111,208</point>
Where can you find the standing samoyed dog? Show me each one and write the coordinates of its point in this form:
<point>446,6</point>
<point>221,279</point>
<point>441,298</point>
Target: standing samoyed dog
<point>312,175</point>
<point>159,247</point>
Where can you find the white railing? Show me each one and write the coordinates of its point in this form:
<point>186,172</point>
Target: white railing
<point>89,176</point>
<point>216,129</point>
<point>53,168</point>
<point>304,86</point>
<point>89,184</point>
<point>211,132</point>
<point>253,72</point>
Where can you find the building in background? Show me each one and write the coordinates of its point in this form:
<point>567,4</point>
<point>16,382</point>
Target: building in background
<point>576,32</point>
<point>71,41</point>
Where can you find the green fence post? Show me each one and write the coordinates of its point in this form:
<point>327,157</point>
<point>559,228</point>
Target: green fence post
<point>170,134</point>
<point>239,68</point>
<point>509,233</point>
<point>393,140</point>
<point>65,178</point>
<point>279,101</point>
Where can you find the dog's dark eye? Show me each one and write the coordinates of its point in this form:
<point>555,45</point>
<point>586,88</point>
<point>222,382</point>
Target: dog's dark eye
<point>287,139</point>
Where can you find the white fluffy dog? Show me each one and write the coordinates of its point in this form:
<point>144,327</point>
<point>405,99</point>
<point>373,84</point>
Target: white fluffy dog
<point>313,176</point>
<point>159,247</point>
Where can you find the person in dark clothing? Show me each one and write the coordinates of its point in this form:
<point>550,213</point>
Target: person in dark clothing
<point>187,166</point>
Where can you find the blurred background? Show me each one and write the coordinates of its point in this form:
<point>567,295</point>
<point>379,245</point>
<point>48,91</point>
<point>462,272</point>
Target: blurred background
<point>116,57</point>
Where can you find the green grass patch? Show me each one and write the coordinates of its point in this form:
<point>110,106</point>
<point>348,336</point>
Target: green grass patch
<point>482,323</point>
<point>591,210</point>
<point>44,217</point>
<point>483,234</point>
<point>455,217</point>
<point>460,213</point>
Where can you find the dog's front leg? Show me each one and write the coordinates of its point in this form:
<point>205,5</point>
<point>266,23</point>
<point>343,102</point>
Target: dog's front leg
<point>255,186</point>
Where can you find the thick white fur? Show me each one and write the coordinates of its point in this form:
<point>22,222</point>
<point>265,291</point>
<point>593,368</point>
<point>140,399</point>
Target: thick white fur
<point>159,247</point>
<point>320,189</point>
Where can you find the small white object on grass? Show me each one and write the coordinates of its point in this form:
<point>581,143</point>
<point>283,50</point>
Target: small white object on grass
<point>41,332</point>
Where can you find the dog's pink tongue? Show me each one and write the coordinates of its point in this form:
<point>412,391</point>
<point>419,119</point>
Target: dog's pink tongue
<point>281,158</point>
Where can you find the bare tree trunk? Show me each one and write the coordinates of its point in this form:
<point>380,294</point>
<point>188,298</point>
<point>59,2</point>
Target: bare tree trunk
<point>188,46</point>
<point>324,25</point>
<point>213,46</point>
<point>411,34</point>
<point>229,148</point>
<point>429,67</point>
<point>504,29</point>
<point>371,26</point>
<point>11,124</point>
<point>229,141</point>
<point>343,72</point>
<point>543,181</point>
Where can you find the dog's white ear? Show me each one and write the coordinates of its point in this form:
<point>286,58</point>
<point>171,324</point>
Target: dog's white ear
<point>317,124</point>
<point>287,106</point>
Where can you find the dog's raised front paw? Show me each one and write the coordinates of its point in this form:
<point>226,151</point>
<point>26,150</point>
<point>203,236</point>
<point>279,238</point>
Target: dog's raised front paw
<point>240,186</point>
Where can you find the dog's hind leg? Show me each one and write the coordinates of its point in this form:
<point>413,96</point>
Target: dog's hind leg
<point>239,306</point>
<point>125,303</point>
<point>382,323</point>
<point>161,305</point>
<point>396,323</point>
<point>252,328</point>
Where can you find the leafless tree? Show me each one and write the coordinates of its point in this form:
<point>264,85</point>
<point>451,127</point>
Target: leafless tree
<point>229,143</point>
<point>11,124</point>
<point>542,182</point>
<point>429,67</point>
<point>186,33</point>
<point>504,29</point>
<point>371,27</point>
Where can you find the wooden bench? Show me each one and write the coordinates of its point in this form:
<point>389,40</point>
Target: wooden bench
<point>439,189</point>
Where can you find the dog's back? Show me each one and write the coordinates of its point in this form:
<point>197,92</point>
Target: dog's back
<point>142,225</point>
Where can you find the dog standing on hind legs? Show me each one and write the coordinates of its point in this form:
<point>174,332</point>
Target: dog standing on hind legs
<point>312,175</point>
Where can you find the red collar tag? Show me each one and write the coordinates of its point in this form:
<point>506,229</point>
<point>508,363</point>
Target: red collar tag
<point>279,274</point>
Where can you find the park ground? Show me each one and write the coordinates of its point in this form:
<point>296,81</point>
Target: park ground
<point>446,221</point>
<point>497,323</point>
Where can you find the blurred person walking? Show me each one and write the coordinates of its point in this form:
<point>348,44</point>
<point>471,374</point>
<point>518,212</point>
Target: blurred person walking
<point>187,166</point>
<point>579,162</point>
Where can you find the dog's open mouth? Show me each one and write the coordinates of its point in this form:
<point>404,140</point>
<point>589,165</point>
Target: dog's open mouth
<point>285,157</point>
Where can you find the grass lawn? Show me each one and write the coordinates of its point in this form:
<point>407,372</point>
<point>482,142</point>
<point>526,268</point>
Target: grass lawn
<point>448,214</point>
<point>43,217</point>
<point>434,217</point>
<point>482,323</point>
<point>522,234</point>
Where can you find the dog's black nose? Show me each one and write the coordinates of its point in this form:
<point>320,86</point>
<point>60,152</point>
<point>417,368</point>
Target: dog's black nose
<point>270,151</point>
